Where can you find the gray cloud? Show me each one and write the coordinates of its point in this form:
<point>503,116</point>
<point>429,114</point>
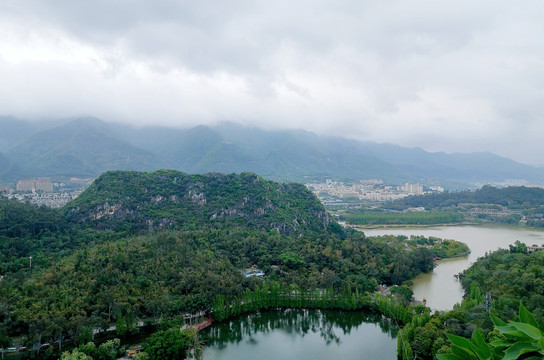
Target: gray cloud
<point>446,76</point>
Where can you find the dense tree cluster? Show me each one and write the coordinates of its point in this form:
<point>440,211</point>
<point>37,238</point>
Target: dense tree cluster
<point>358,217</point>
<point>424,337</point>
<point>510,276</point>
<point>512,197</point>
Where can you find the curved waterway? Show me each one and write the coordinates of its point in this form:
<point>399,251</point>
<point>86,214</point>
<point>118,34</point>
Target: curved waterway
<point>302,334</point>
<point>441,289</point>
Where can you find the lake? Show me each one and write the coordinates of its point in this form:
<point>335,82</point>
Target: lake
<point>440,287</point>
<point>302,334</point>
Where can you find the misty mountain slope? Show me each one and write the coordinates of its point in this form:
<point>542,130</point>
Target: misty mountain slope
<point>228,158</point>
<point>361,163</point>
<point>4,163</point>
<point>300,155</point>
<point>156,139</point>
<point>13,132</point>
<point>9,171</point>
<point>252,140</point>
<point>480,166</point>
<point>81,147</point>
<point>88,146</point>
<point>203,150</point>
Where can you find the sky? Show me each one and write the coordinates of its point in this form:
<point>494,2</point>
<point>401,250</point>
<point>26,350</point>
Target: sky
<point>454,76</point>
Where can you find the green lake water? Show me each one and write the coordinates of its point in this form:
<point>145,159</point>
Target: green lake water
<point>302,334</point>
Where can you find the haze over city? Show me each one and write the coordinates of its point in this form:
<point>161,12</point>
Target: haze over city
<point>454,77</point>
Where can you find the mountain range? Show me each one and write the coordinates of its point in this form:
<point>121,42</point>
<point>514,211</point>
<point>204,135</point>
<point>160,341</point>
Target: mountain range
<point>86,147</point>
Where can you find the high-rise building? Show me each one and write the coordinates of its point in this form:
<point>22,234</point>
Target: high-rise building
<point>44,185</point>
<point>25,185</point>
<point>412,189</point>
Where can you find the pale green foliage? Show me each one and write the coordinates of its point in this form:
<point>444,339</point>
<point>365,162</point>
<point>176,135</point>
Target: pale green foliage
<point>75,355</point>
<point>141,356</point>
<point>106,351</point>
<point>520,340</point>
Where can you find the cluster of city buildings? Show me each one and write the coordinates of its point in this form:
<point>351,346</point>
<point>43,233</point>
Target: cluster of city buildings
<point>43,191</point>
<point>35,185</point>
<point>54,200</point>
<point>502,212</point>
<point>370,190</point>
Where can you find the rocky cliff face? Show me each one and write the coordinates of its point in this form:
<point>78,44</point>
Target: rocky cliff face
<point>168,198</point>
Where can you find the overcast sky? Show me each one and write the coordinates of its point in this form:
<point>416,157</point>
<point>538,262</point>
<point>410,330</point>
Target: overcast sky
<point>443,75</point>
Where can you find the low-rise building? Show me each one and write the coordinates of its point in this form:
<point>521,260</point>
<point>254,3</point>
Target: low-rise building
<point>534,248</point>
<point>5,189</point>
<point>253,272</point>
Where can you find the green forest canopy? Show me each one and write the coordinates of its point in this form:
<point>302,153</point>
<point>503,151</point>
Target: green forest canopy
<point>156,245</point>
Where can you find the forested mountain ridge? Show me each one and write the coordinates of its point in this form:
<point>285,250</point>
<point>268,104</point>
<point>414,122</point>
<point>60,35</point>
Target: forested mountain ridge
<point>172,199</point>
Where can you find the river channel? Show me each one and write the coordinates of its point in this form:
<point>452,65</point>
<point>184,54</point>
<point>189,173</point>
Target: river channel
<point>441,289</point>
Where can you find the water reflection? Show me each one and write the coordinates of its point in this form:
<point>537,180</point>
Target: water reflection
<point>348,330</point>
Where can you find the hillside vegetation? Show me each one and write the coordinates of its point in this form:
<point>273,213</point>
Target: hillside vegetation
<point>172,199</point>
<point>152,246</point>
<point>510,276</point>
